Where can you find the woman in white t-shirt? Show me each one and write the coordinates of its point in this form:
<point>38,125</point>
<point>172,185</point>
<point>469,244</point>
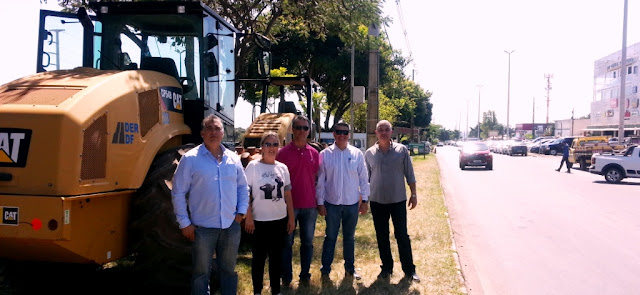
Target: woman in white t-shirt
<point>270,216</point>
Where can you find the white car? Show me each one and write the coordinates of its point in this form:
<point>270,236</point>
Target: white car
<point>614,168</point>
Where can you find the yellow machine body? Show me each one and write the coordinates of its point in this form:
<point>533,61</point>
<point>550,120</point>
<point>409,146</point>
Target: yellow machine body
<point>74,146</point>
<point>280,123</point>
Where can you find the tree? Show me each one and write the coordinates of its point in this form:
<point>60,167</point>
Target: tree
<point>490,123</point>
<point>315,38</point>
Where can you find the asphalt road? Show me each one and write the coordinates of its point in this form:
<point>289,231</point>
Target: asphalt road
<point>524,228</point>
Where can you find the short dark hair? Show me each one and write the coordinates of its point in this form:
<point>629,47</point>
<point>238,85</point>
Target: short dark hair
<point>343,124</point>
<point>299,118</point>
<point>211,118</point>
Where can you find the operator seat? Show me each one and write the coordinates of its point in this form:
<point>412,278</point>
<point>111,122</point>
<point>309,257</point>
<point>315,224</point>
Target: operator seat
<point>160,64</point>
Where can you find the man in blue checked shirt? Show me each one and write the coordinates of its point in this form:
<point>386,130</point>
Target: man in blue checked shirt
<point>342,191</point>
<point>214,178</point>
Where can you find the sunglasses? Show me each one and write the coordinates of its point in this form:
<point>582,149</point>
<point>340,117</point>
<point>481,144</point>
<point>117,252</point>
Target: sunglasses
<point>305,128</point>
<point>341,132</point>
<point>271,144</point>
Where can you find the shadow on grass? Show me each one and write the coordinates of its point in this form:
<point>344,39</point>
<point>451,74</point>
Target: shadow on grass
<point>383,286</point>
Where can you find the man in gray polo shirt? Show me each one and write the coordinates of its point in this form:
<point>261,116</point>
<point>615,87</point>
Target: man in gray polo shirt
<point>389,164</point>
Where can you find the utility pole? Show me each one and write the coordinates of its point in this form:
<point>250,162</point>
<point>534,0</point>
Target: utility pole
<point>572,110</point>
<point>508,134</point>
<point>466,131</point>
<point>372,105</point>
<point>623,74</point>
<point>479,86</point>
<point>548,88</point>
<point>533,120</point>
<point>353,62</point>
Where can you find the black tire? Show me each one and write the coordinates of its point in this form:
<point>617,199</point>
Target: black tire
<point>489,167</point>
<point>553,152</point>
<point>462,166</point>
<point>613,175</point>
<point>583,164</point>
<point>163,254</point>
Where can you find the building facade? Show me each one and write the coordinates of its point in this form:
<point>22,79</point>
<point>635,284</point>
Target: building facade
<point>572,127</point>
<point>605,108</point>
<point>535,129</point>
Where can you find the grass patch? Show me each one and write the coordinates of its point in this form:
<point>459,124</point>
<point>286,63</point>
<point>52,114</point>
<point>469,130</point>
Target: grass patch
<point>427,226</point>
<point>430,241</point>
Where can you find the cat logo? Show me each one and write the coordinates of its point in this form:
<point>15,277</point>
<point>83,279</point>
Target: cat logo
<point>171,99</point>
<point>9,215</point>
<point>14,147</point>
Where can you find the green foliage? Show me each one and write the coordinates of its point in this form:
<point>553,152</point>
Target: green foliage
<point>239,133</point>
<point>319,101</point>
<point>273,92</point>
<point>315,38</point>
<point>490,123</point>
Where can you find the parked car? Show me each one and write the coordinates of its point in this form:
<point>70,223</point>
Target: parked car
<point>555,147</point>
<point>476,153</point>
<point>537,141</point>
<point>614,168</point>
<point>516,147</point>
<point>536,147</point>
<point>632,140</point>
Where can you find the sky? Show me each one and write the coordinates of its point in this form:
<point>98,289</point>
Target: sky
<point>455,46</point>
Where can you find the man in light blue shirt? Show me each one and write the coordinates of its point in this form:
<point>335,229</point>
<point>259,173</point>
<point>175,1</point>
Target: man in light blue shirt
<point>214,178</point>
<point>342,191</point>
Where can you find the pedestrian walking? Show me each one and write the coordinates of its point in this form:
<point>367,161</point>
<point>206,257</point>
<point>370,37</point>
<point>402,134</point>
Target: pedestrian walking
<point>388,165</point>
<point>565,157</point>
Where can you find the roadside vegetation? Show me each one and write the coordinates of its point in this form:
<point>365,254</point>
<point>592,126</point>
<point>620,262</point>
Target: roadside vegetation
<point>430,238</point>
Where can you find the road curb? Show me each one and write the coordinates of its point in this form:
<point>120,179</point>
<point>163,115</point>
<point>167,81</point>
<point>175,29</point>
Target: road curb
<point>454,249</point>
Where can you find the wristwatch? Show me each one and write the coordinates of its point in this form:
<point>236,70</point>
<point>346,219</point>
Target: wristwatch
<point>365,201</point>
<point>414,196</point>
<point>243,216</point>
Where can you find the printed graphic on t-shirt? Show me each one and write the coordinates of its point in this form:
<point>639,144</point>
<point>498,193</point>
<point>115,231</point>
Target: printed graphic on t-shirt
<point>268,187</point>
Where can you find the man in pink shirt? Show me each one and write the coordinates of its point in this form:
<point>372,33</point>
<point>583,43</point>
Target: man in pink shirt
<point>303,162</point>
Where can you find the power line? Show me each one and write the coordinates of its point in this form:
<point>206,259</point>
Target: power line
<point>404,29</point>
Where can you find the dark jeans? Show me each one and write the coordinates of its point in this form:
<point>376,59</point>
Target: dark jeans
<point>398,214</point>
<point>565,160</point>
<point>347,215</point>
<point>225,243</point>
<point>306,220</point>
<point>268,240</point>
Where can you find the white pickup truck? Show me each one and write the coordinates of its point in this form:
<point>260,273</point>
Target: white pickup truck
<point>614,168</point>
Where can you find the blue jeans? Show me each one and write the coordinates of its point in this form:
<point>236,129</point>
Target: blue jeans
<point>224,242</point>
<point>306,218</point>
<point>348,216</point>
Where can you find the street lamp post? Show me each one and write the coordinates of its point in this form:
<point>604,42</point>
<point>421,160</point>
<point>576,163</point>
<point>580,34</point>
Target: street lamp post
<point>508,91</point>
<point>623,73</point>
<point>479,86</point>
<point>466,131</point>
<point>180,52</point>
